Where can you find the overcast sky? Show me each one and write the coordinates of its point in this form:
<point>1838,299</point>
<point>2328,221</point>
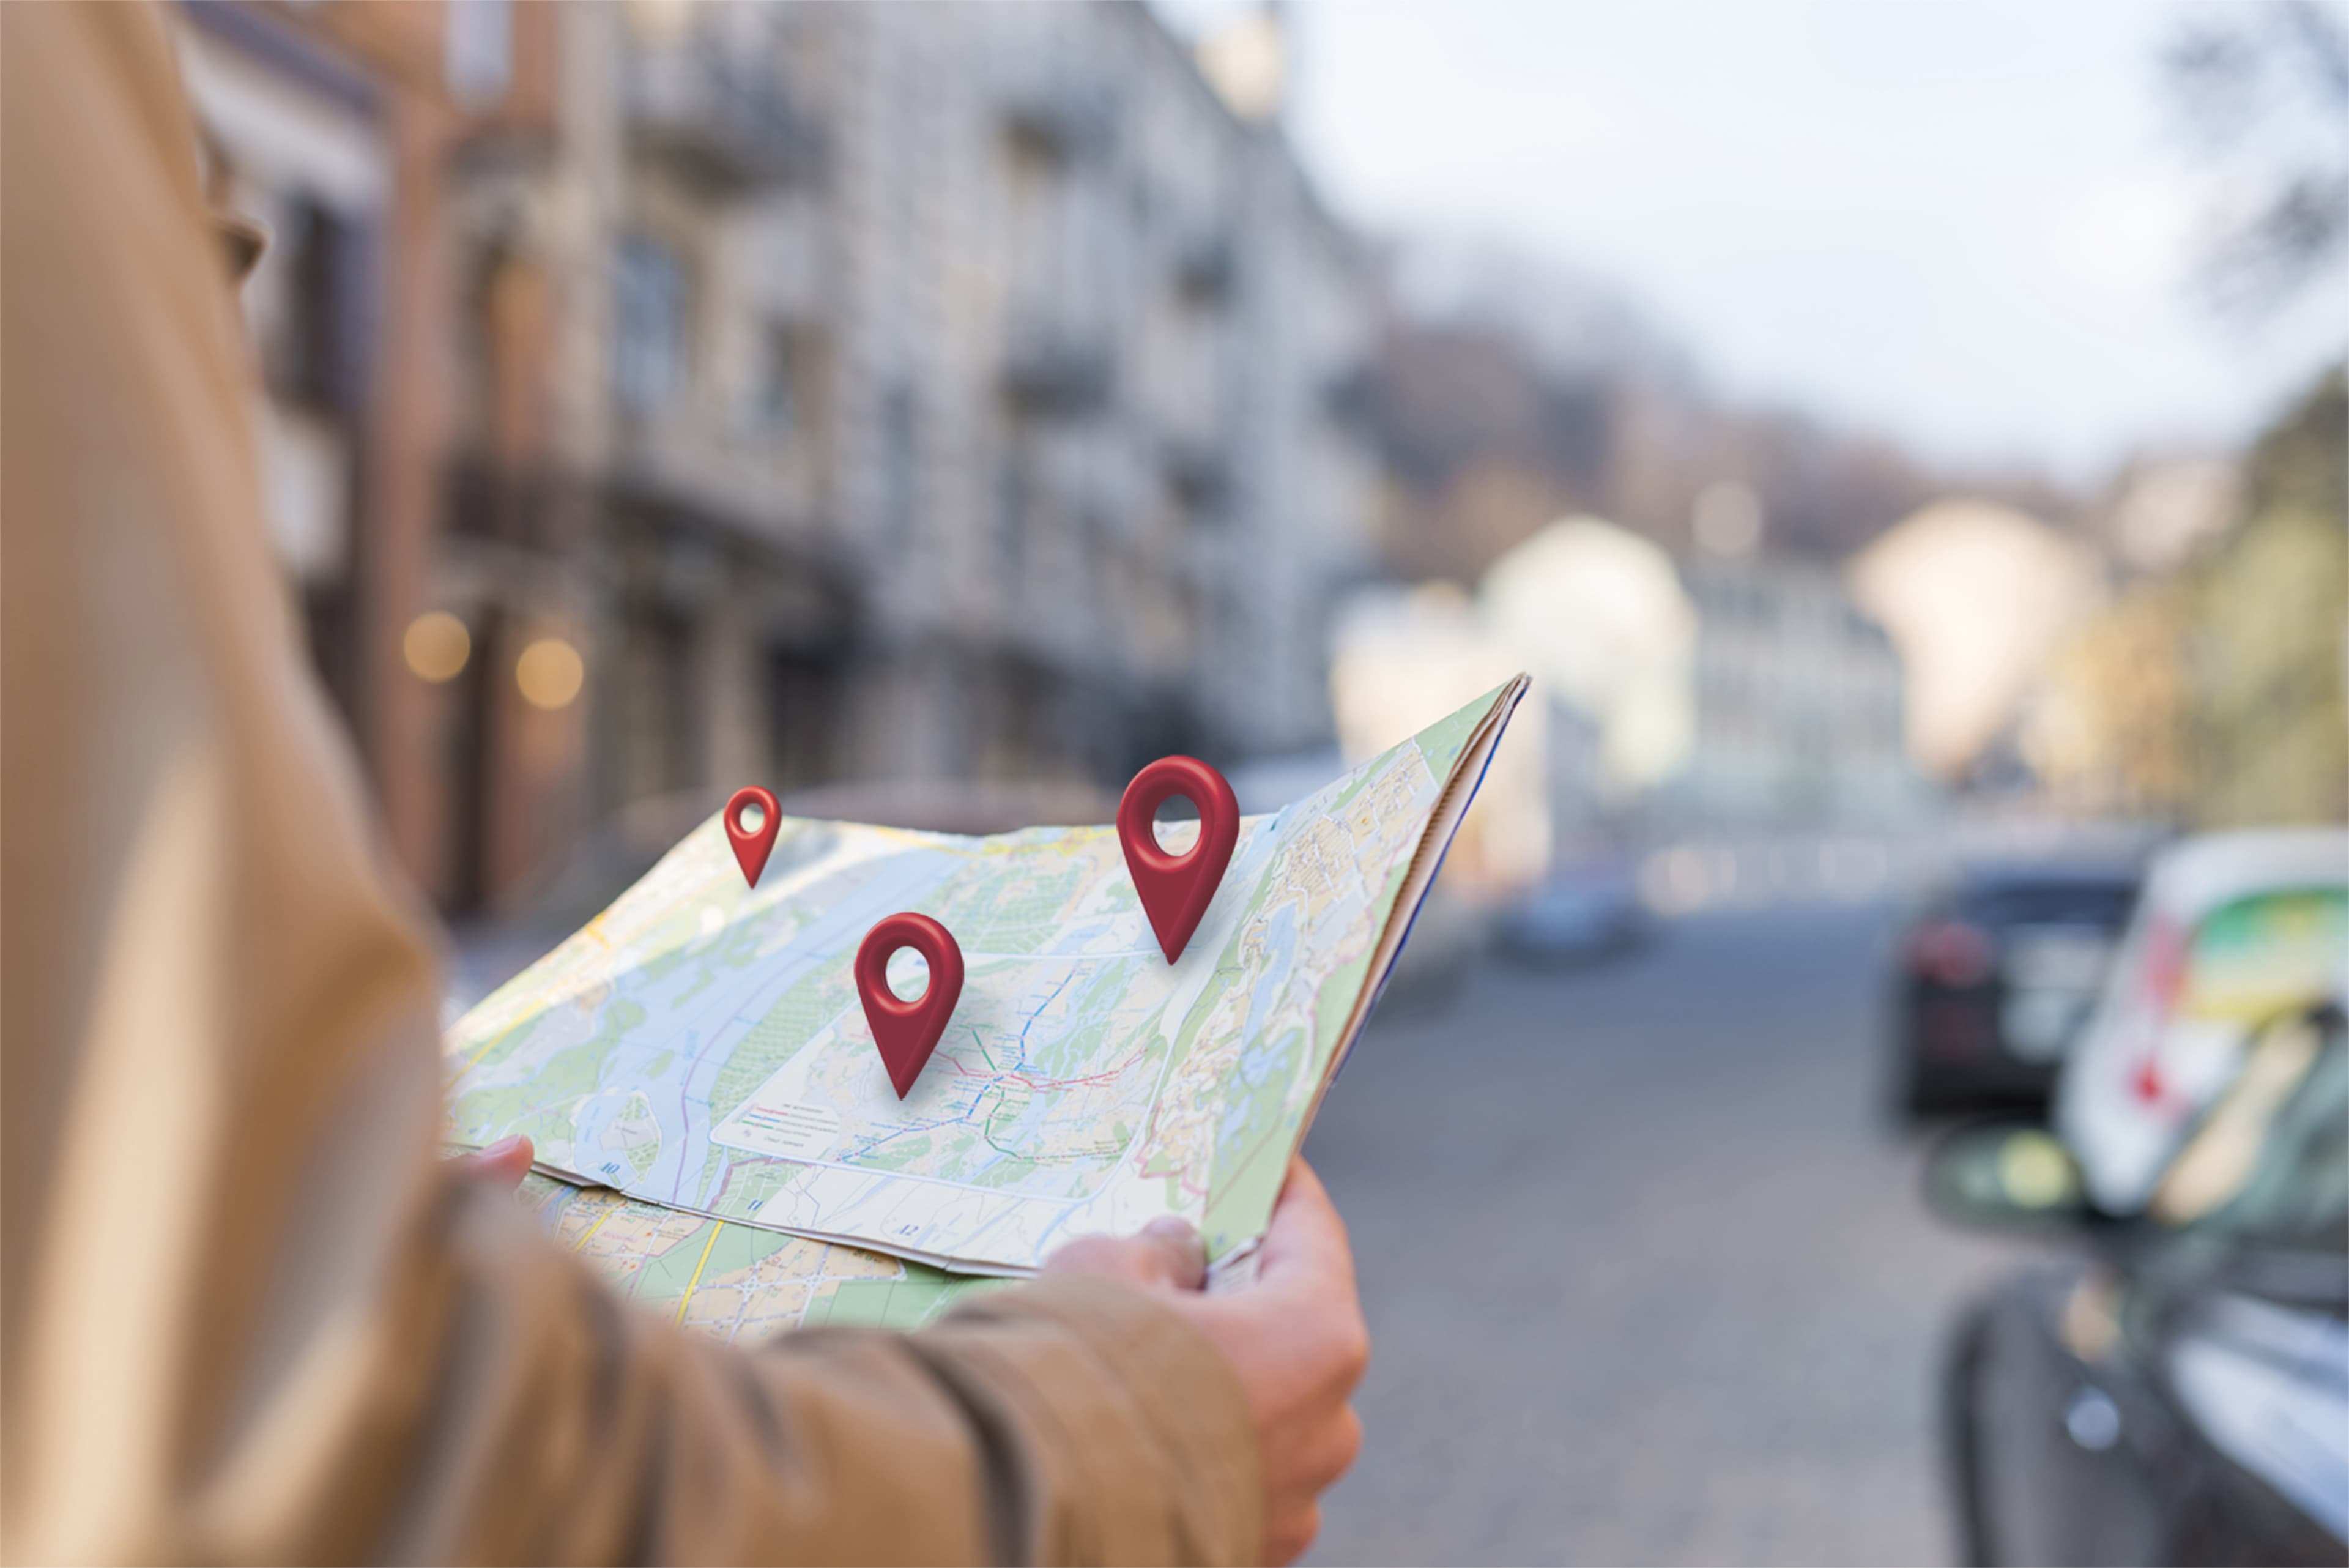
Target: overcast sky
<point>1968,225</point>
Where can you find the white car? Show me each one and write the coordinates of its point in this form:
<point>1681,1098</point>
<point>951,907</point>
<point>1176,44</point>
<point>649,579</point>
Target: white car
<point>2231,930</point>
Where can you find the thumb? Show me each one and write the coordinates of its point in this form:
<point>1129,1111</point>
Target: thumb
<point>1167,1254</point>
<point>503,1163</point>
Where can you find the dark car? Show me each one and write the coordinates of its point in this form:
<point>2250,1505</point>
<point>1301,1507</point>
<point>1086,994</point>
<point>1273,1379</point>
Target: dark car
<point>2177,1391</point>
<point>1997,972</point>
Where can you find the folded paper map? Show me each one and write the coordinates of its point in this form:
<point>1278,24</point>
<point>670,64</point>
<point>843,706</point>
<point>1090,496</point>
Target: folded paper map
<point>699,1046</point>
<point>728,1281</point>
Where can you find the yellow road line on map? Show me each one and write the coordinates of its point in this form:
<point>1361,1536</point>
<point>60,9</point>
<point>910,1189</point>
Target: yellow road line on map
<point>475,1059</point>
<point>580,1244</point>
<point>700,1263</point>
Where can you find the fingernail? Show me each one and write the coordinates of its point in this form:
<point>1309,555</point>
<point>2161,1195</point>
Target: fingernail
<point>1180,1242</point>
<point>1177,1234</point>
<point>504,1147</point>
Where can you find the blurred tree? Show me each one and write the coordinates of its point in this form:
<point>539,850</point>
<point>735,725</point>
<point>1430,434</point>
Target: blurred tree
<point>2105,729</point>
<point>2265,91</point>
<point>1491,431</point>
<point>2271,732</point>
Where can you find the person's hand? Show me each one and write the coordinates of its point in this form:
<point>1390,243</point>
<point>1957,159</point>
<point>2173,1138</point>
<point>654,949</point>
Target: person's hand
<point>503,1163</point>
<point>1295,1338</point>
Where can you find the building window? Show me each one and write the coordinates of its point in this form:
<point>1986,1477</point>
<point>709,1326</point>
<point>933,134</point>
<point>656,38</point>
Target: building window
<point>648,357</point>
<point>777,407</point>
<point>805,691</point>
<point>479,57</point>
<point>308,353</point>
<point>1089,547</point>
<point>900,453</point>
<point>657,712</point>
<point>1012,504</point>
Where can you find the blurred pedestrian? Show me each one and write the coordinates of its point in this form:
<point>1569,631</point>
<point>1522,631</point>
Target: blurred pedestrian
<point>247,1314</point>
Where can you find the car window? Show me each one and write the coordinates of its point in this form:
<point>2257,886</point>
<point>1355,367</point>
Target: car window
<point>2052,903</point>
<point>2270,1160</point>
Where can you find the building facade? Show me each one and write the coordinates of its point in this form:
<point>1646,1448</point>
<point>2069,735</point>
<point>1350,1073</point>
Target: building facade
<point>1797,700</point>
<point>949,393</point>
<point>834,392</point>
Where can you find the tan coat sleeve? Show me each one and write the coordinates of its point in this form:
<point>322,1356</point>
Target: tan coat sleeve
<point>243,1312</point>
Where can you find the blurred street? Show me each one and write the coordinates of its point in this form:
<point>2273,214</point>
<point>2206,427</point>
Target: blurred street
<point>1648,1277</point>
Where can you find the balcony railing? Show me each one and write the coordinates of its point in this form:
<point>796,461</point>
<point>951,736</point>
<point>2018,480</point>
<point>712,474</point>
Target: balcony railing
<point>726,121</point>
<point>1058,371</point>
<point>1205,269</point>
<point>678,464</point>
<point>487,502</point>
<point>1062,118</point>
<point>1199,474</point>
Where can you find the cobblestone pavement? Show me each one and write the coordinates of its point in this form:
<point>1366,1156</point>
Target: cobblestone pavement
<point>1647,1274</point>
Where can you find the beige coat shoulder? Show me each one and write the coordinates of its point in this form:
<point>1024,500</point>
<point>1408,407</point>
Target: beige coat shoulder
<point>245,1313</point>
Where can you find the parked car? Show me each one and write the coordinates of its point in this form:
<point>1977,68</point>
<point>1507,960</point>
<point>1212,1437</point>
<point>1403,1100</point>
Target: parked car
<point>1584,912</point>
<point>1998,971</point>
<point>2233,929</point>
<point>2178,1390</point>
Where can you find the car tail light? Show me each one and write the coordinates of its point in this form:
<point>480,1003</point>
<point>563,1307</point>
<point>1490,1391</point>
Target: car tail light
<point>1952,952</point>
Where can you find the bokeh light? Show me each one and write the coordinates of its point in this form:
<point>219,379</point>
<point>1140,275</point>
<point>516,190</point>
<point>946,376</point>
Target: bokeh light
<point>550,673</point>
<point>437,646</point>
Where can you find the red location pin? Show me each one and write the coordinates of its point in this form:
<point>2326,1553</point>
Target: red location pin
<point>1176,888</point>
<point>908,1032</point>
<point>751,844</point>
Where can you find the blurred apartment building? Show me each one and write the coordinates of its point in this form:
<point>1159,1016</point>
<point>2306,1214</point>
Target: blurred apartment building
<point>1729,687</point>
<point>786,393</point>
<point>1796,699</point>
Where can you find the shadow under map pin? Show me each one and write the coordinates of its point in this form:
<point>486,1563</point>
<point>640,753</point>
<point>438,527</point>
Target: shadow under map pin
<point>908,1032</point>
<point>752,844</point>
<point>1177,889</point>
